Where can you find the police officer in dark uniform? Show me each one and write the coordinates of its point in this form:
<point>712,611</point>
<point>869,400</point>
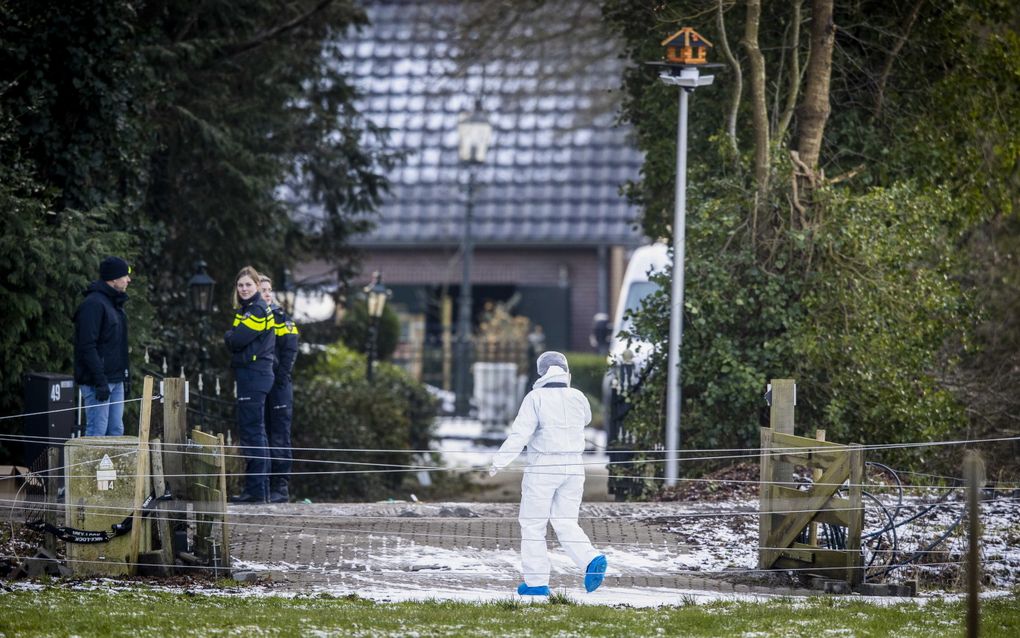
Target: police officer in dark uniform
<point>252,344</point>
<point>280,402</point>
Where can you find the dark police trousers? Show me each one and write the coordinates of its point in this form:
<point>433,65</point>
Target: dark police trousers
<point>279,413</point>
<point>252,388</point>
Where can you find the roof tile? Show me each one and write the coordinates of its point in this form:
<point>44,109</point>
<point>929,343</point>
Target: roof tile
<point>552,175</point>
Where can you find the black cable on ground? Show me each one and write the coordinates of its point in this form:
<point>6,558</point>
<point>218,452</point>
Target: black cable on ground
<point>922,552</point>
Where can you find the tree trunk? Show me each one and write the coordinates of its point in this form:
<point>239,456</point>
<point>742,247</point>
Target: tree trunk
<point>759,110</point>
<point>814,110</point>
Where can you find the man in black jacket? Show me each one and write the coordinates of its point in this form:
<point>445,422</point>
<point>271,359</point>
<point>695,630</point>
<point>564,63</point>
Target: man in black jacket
<point>101,349</point>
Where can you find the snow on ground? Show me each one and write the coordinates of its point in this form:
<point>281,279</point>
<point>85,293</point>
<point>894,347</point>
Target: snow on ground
<point>709,538</point>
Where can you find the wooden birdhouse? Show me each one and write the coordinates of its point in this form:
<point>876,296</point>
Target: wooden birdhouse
<point>686,46</point>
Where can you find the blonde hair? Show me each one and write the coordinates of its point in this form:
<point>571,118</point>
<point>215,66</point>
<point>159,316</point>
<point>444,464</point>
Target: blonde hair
<point>247,271</point>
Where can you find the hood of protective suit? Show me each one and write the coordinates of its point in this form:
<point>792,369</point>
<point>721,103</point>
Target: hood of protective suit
<point>554,374</point>
<point>551,424</point>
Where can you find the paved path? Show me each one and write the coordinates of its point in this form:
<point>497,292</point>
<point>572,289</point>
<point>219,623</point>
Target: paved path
<point>455,546</point>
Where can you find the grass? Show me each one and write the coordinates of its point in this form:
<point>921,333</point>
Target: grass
<point>141,612</point>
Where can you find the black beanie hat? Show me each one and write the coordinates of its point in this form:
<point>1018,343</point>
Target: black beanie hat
<point>113,268</point>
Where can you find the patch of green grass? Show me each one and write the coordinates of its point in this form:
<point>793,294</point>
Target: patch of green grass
<point>141,613</point>
<point>228,583</point>
<point>510,604</point>
<point>559,598</point>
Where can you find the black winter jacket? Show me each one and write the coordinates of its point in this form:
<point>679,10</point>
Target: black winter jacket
<point>252,339</point>
<point>101,336</point>
<point>286,345</point>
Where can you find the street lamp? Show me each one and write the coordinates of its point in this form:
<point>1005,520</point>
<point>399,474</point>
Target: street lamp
<point>376,295</point>
<point>473,135</point>
<point>200,289</point>
<point>685,54</point>
<point>200,294</point>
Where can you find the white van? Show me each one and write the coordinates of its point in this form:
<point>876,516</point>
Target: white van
<point>636,285</point>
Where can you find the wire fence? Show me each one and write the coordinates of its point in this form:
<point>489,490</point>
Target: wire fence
<point>883,551</point>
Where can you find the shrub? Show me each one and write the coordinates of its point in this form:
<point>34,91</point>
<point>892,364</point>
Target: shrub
<point>354,331</point>
<point>337,408</point>
<point>586,372</point>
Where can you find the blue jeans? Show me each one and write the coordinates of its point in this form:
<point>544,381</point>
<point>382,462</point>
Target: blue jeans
<point>104,418</point>
<point>252,388</point>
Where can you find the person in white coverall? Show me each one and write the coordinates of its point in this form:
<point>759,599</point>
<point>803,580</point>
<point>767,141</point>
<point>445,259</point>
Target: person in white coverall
<point>551,423</point>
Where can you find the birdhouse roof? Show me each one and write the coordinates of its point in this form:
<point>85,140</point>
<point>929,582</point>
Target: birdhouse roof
<point>691,38</point>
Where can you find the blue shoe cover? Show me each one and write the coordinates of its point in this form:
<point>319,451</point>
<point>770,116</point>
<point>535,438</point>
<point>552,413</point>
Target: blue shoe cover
<point>595,573</point>
<point>524,590</point>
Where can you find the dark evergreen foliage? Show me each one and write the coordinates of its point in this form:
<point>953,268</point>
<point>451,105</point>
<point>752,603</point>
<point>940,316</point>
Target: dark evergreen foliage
<point>340,410</point>
<point>168,132</point>
<point>872,292</point>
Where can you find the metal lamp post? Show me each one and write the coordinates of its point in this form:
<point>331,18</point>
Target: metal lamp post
<point>200,296</point>
<point>474,134</point>
<point>687,78</point>
<point>376,295</point>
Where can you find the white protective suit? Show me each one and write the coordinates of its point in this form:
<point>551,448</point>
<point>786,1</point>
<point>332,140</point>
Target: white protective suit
<point>551,423</point>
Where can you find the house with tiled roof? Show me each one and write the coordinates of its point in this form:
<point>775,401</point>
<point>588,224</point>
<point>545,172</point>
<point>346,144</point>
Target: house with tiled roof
<point>551,229</point>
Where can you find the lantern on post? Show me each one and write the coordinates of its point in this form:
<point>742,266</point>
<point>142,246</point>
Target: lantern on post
<point>375,295</point>
<point>200,290</point>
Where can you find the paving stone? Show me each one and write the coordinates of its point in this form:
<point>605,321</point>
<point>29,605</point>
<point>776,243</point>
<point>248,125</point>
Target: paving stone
<point>323,547</point>
<point>836,587</point>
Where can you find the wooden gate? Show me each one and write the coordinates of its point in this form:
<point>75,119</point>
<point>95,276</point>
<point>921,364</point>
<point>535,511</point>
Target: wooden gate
<point>208,491</point>
<point>787,511</point>
<point>196,473</point>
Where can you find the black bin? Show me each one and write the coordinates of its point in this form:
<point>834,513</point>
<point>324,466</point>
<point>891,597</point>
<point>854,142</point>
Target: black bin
<point>54,395</point>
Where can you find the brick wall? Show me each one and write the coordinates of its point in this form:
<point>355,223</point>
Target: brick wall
<point>499,266</point>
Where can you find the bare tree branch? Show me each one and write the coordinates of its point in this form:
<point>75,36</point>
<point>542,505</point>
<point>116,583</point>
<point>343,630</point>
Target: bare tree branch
<point>794,75</point>
<point>738,80</point>
<point>759,109</point>
<point>901,39</point>
<point>275,32</point>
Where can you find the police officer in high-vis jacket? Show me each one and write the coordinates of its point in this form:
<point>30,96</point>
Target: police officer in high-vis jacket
<point>252,344</point>
<point>280,402</point>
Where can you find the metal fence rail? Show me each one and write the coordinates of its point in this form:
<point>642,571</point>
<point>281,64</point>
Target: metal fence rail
<point>500,373</point>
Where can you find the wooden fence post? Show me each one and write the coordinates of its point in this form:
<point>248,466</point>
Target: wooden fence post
<point>141,473</point>
<point>765,500</point>
<point>973,469</point>
<point>53,457</point>
<point>175,425</point>
<point>166,535</point>
<point>815,475</point>
<point>784,398</point>
<point>854,566</point>
<point>222,506</point>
